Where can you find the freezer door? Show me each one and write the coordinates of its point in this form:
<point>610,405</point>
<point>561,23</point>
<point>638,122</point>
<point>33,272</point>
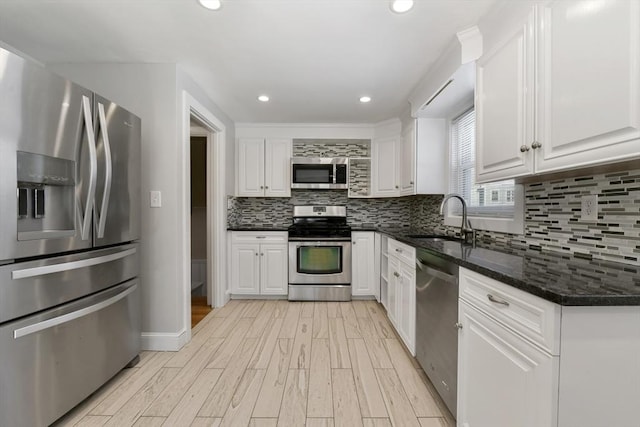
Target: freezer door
<point>44,198</point>
<point>28,287</point>
<point>117,203</point>
<point>53,360</point>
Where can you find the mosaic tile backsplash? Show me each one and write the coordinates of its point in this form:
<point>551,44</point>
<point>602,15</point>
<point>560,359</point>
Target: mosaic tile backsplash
<point>331,148</point>
<point>552,216</point>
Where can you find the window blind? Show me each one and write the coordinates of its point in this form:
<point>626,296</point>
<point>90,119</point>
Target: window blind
<point>488,200</point>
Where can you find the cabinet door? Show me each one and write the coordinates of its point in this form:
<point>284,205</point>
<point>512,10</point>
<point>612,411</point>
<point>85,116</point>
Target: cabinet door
<point>384,174</point>
<point>503,380</point>
<point>504,108</point>
<point>277,168</point>
<point>408,164</point>
<point>362,263</point>
<point>589,106</point>
<point>245,269</point>
<point>406,316</point>
<point>250,167</point>
<point>273,269</point>
<point>392,290</point>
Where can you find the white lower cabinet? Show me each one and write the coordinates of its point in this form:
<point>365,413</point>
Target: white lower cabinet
<point>406,300</point>
<point>259,263</point>
<point>392,290</point>
<point>527,362</point>
<point>503,380</point>
<point>363,279</point>
<point>401,291</point>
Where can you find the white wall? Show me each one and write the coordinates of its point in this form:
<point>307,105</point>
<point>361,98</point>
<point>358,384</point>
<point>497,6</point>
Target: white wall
<point>185,82</point>
<point>154,93</point>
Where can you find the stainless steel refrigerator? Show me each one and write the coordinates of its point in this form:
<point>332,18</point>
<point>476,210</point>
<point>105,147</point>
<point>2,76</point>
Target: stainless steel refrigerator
<point>69,230</point>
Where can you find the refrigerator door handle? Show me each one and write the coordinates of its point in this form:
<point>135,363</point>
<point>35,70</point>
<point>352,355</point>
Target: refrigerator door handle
<point>85,218</point>
<point>104,208</point>
<point>65,318</point>
<point>73,265</point>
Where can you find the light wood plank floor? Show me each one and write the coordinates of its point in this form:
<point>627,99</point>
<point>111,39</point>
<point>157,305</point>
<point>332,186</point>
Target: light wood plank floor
<point>274,363</point>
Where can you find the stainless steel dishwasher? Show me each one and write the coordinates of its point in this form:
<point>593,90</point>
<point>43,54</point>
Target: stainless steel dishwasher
<point>436,323</point>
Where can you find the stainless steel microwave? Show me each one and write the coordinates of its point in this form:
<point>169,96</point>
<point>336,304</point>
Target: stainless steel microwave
<point>320,172</point>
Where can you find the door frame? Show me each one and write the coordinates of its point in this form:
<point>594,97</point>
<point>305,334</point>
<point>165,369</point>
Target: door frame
<point>216,202</point>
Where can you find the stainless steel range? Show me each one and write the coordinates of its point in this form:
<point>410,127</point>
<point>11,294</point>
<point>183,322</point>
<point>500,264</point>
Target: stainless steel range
<point>320,254</point>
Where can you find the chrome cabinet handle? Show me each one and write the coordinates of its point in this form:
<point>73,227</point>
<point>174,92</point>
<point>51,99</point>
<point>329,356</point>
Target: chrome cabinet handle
<point>524,149</point>
<point>411,182</point>
<point>257,254</point>
<point>262,254</point>
<point>536,145</point>
<point>497,300</point>
<point>397,187</point>
<point>399,250</point>
<point>353,243</point>
<point>458,325</point>
<point>262,187</point>
<point>395,273</point>
<point>266,187</point>
<point>261,237</point>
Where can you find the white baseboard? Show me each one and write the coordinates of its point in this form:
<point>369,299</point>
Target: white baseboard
<point>159,341</point>
<point>251,296</point>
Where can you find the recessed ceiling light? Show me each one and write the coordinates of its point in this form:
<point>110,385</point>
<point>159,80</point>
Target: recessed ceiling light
<point>401,6</point>
<point>263,98</point>
<point>211,4</point>
<point>365,99</point>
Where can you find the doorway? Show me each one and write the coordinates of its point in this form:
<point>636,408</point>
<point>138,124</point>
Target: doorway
<point>200,210</point>
<point>208,125</point>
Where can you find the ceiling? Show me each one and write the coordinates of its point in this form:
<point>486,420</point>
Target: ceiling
<point>314,58</point>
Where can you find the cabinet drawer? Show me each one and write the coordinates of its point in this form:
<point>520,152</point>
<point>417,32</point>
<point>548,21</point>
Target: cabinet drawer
<point>404,253</point>
<point>259,237</point>
<point>532,317</point>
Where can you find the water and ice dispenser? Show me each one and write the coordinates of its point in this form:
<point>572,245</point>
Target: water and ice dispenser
<point>46,196</point>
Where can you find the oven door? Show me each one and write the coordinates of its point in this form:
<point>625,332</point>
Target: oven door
<point>320,262</point>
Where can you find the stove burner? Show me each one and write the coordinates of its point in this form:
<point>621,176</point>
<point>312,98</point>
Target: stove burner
<point>320,222</point>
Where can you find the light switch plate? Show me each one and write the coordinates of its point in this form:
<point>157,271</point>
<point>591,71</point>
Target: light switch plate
<point>155,199</point>
<point>589,207</point>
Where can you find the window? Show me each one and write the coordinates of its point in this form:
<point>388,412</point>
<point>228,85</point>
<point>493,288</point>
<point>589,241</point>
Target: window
<point>490,206</point>
<point>509,196</point>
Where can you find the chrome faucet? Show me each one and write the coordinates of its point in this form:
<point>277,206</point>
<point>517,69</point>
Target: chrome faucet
<point>465,228</point>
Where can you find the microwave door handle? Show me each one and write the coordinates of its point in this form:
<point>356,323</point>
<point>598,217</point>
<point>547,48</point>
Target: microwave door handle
<point>85,217</point>
<point>108,169</point>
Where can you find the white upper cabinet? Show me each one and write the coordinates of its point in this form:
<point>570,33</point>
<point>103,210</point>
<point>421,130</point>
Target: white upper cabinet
<point>385,177</point>
<point>408,164</point>
<point>561,92</point>
<point>589,76</point>
<point>263,167</point>
<point>277,171</point>
<point>504,107</point>
<point>430,152</point>
<point>250,167</point>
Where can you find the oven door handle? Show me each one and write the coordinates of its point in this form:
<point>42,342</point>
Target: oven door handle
<point>321,239</point>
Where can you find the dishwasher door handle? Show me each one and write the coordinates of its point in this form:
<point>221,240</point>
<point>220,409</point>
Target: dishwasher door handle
<point>436,273</point>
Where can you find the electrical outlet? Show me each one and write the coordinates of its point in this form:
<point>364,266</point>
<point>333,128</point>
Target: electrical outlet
<point>155,199</point>
<point>589,208</point>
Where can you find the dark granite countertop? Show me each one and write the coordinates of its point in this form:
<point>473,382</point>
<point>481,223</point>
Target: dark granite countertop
<point>256,228</point>
<point>561,278</point>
